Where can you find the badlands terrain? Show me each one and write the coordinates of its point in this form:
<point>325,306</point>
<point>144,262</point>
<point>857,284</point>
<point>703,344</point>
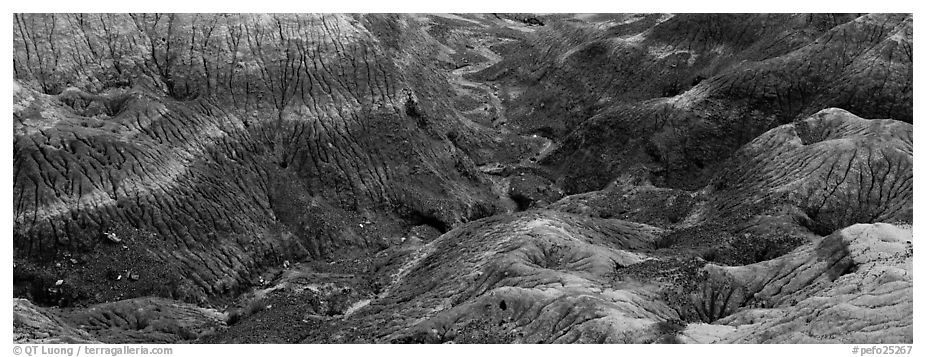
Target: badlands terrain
<point>469,178</point>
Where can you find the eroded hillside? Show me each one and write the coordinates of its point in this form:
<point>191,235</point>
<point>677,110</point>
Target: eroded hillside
<point>495,178</point>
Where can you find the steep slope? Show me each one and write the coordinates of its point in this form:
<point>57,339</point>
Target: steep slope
<point>837,168</point>
<point>262,138</point>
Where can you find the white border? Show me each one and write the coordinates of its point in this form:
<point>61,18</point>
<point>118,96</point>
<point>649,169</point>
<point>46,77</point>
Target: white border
<point>471,6</point>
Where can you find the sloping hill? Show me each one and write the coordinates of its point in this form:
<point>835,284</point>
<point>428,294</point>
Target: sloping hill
<point>674,95</point>
<point>319,138</point>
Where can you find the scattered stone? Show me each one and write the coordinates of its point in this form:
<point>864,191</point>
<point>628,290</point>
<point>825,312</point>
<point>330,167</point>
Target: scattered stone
<point>112,237</point>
